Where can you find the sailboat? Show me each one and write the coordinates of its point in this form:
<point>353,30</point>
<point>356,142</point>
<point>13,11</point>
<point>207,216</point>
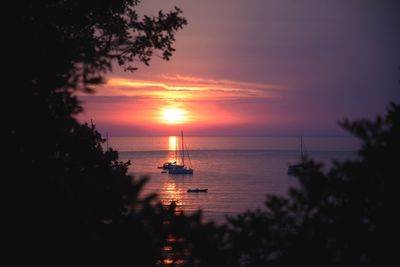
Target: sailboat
<point>181,169</point>
<point>171,164</point>
<point>294,168</point>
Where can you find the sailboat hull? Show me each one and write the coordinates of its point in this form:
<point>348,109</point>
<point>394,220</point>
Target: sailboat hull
<point>294,169</point>
<point>180,170</point>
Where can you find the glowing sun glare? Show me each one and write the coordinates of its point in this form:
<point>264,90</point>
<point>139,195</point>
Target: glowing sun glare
<point>173,115</point>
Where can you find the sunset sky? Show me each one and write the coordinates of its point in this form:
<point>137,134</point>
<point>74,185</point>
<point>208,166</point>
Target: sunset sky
<point>259,67</point>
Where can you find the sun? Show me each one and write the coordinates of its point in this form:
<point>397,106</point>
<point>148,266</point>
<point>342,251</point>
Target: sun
<point>173,115</point>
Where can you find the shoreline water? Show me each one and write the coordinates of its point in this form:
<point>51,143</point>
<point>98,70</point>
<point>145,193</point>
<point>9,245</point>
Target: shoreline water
<point>237,179</point>
<point>237,143</point>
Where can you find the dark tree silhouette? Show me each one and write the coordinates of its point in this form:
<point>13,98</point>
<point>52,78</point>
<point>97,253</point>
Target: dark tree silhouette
<point>335,218</point>
<point>65,192</point>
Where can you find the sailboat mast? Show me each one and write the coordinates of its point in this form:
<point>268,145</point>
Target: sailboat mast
<point>107,139</point>
<point>183,150</point>
<point>301,142</point>
<point>176,149</point>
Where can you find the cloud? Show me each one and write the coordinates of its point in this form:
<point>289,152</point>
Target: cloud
<point>177,87</point>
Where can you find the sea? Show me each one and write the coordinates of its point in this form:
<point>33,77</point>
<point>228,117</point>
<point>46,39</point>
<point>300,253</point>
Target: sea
<point>237,171</point>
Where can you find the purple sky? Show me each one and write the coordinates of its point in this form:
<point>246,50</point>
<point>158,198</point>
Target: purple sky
<point>260,67</point>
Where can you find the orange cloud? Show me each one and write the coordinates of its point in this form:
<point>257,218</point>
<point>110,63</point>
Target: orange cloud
<point>183,87</point>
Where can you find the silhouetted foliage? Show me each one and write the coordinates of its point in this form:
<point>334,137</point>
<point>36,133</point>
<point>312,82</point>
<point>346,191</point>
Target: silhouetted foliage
<point>68,195</point>
<point>334,218</point>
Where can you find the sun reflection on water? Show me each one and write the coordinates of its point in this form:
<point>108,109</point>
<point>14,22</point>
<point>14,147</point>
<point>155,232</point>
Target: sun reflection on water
<point>173,149</point>
<point>173,194</point>
<point>172,143</point>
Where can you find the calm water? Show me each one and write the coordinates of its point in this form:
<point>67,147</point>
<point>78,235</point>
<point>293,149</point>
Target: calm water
<point>238,171</point>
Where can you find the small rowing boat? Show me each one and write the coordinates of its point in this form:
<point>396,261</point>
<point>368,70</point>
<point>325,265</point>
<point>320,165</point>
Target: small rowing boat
<point>197,190</point>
